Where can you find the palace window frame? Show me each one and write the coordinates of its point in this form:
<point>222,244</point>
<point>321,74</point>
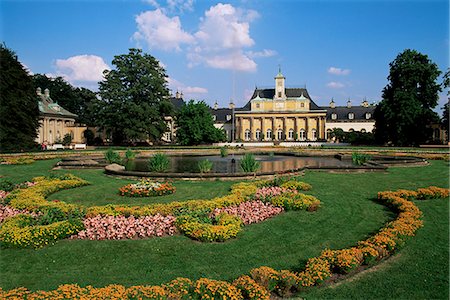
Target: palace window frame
<point>247,135</point>
<point>279,134</point>
<point>351,116</point>
<point>269,134</point>
<point>314,135</point>
<point>334,116</point>
<point>258,134</point>
<point>302,135</point>
<point>291,134</point>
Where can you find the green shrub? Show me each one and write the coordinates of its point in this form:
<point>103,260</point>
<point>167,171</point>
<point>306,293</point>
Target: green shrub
<point>205,166</point>
<point>67,140</point>
<point>360,158</point>
<point>6,185</point>
<point>223,152</point>
<point>130,154</point>
<point>249,163</point>
<point>158,163</point>
<point>112,157</point>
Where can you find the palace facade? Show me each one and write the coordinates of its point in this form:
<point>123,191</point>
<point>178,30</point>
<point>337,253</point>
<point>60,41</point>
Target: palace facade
<point>55,121</point>
<point>280,114</point>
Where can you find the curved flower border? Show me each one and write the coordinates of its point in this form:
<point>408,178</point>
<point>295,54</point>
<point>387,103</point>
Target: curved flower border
<point>264,280</point>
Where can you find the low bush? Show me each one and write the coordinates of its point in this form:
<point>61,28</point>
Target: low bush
<point>360,158</point>
<point>158,163</point>
<point>250,289</point>
<point>205,166</point>
<point>223,152</point>
<point>296,185</point>
<point>249,163</point>
<point>112,157</point>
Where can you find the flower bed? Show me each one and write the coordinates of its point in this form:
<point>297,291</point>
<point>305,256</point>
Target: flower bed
<point>147,188</point>
<point>250,212</point>
<point>7,211</point>
<point>120,227</point>
<point>265,279</point>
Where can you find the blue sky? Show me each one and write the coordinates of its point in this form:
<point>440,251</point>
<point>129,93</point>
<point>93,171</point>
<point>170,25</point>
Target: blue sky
<point>217,51</point>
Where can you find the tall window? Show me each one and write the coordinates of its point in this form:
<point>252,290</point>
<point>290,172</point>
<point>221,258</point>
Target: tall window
<point>302,135</point>
<point>368,116</point>
<point>279,134</point>
<point>351,116</point>
<point>291,134</point>
<point>314,135</point>
<point>247,135</point>
<point>228,117</point>
<point>333,116</point>
<point>269,134</point>
<point>258,134</point>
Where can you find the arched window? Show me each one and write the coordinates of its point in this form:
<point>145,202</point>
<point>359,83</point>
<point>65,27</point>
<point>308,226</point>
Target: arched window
<point>351,130</point>
<point>279,134</point>
<point>351,116</point>
<point>363,130</point>
<point>247,135</point>
<point>333,116</point>
<point>269,134</point>
<point>302,134</point>
<point>258,134</point>
<point>368,116</point>
<point>291,134</point>
<point>314,135</point>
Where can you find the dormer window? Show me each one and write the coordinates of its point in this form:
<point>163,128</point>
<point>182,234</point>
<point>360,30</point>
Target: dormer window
<point>258,105</point>
<point>302,104</point>
<point>333,116</point>
<point>368,116</point>
<point>351,116</point>
<point>228,117</point>
<point>214,117</point>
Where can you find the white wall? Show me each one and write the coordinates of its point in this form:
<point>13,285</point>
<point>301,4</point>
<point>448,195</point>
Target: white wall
<point>346,126</point>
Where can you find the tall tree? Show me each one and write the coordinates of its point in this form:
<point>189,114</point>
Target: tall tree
<point>79,101</point>
<point>19,112</point>
<point>408,100</point>
<point>134,98</point>
<point>195,125</point>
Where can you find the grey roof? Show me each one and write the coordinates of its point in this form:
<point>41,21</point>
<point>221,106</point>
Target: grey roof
<point>221,114</point>
<point>177,102</point>
<point>343,111</point>
<point>290,93</point>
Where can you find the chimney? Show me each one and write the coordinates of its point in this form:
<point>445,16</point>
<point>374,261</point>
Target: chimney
<point>332,104</point>
<point>47,93</point>
<point>349,104</point>
<point>216,105</point>
<point>38,91</point>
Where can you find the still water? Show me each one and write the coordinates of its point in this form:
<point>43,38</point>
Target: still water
<point>231,163</point>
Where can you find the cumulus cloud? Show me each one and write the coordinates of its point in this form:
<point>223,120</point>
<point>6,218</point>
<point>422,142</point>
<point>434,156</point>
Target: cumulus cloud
<point>335,85</point>
<point>338,71</point>
<point>220,42</point>
<point>223,33</point>
<point>161,31</point>
<point>81,68</point>
<point>173,5</point>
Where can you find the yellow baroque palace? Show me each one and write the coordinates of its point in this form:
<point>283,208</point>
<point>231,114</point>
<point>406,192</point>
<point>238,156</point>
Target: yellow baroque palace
<point>280,114</point>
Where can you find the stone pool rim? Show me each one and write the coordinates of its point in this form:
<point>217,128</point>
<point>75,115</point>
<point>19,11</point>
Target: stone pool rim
<point>370,166</point>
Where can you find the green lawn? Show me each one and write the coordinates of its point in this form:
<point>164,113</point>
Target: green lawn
<point>348,214</point>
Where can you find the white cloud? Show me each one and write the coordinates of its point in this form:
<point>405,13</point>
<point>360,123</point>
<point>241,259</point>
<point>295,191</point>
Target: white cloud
<point>161,31</point>
<point>153,3</point>
<point>189,91</point>
<point>338,71</point>
<point>81,68</point>
<point>264,53</point>
<point>335,85</point>
<point>180,5</point>
<point>221,39</point>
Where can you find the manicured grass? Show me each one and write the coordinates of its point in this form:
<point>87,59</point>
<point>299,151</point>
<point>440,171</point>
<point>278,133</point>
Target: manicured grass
<point>104,189</point>
<point>348,214</point>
